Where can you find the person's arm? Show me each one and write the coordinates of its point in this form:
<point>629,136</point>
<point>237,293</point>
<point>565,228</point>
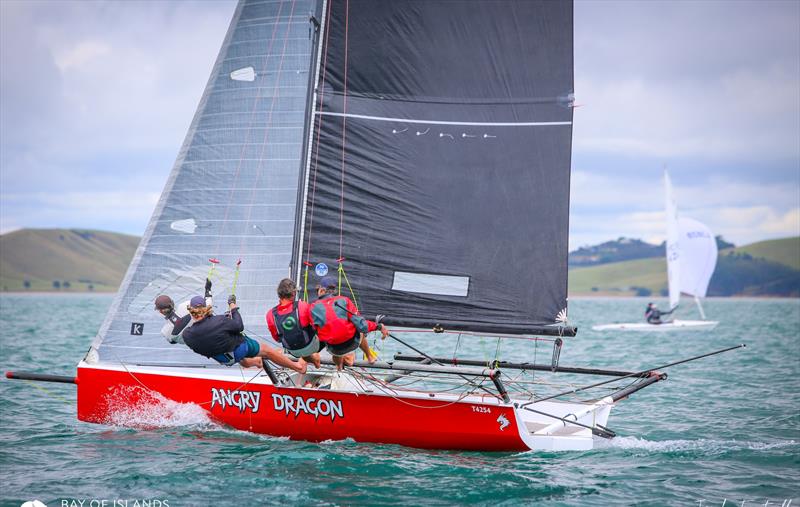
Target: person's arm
<point>304,312</point>
<point>363,325</point>
<point>175,324</point>
<point>181,324</point>
<point>271,326</point>
<point>235,323</point>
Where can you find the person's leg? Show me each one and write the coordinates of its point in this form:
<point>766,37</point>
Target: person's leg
<point>277,357</point>
<point>251,362</point>
<point>364,346</point>
<point>313,358</point>
<point>339,362</point>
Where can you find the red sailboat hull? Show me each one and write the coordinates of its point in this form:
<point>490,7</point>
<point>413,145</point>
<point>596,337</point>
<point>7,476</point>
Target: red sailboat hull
<point>304,413</point>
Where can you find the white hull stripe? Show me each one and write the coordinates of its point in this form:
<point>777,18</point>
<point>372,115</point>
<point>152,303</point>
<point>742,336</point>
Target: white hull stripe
<point>439,122</point>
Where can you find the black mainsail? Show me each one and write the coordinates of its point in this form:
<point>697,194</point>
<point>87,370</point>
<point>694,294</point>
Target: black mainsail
<point>443,188</point>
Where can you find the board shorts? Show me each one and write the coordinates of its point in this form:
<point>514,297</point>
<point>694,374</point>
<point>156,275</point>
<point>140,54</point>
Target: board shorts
<point>344,348</point>
<point>248,348</point>
<point>314,346</point>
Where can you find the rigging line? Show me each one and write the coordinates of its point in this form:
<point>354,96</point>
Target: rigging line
<point>319,130</point>
<point>275,96</point>
<point>344,126</point>
<point>638,373</point>
<point>256,100</point>
<point>392,395</point>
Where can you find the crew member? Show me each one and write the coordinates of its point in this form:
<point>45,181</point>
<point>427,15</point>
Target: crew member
<point>339,325</point>
<point>653,314</point>
<point>290,324</point>
<point>221,337</point>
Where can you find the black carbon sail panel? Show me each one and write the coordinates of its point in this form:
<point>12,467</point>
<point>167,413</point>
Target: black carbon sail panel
<point>439,168</point>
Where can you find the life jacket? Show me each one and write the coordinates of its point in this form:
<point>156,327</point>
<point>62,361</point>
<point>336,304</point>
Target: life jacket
<point>331,320</point>
<point>293,337</point>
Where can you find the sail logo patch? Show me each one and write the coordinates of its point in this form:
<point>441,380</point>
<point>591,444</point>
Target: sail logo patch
<point>311,406</point>
<point>137,328</point>
<point>243,400</point>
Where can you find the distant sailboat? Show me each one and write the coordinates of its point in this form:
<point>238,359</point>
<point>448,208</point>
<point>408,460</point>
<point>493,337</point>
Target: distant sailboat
<point>691,259</point>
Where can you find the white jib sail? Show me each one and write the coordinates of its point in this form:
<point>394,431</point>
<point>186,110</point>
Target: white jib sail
<point>673,245</point>
<point>698,254</point>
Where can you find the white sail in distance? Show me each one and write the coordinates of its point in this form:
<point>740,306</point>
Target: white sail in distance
<point>698,256</point>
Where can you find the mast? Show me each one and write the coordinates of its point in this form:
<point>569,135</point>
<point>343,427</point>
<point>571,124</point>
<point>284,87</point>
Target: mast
<point>302,198</point>
<point>673,251</point>
<point>700,307</point>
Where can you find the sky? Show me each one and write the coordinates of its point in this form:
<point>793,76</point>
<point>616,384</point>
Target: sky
<point>96,98</point>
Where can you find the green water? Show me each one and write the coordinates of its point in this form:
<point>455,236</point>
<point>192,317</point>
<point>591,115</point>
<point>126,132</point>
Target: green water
<point>724,429</point>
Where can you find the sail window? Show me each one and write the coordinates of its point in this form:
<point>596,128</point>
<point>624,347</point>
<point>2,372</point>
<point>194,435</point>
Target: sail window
<point>424,283</point>
<point>188,226</point>
<point>244,74</point>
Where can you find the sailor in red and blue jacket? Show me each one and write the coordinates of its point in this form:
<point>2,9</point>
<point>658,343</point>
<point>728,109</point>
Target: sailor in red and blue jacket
<point>289,324</point>
<point>339,325</point>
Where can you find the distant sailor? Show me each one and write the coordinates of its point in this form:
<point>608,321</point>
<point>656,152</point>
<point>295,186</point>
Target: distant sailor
<point>653,314</point>
<point>339,325</point>
<point>290,324</point>
<point>220,337</point>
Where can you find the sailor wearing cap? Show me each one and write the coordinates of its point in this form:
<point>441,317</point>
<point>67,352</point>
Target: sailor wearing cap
<point>221,337</point>
<point>339,324</point>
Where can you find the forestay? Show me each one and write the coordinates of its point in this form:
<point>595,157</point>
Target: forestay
<point>444,186</point>
<point>232,191</point>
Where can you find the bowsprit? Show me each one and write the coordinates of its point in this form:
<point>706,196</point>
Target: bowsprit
<point>311,406</point>
<point>242,400</point>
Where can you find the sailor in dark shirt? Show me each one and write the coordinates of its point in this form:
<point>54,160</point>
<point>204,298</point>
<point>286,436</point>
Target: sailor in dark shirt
<point>653,314</point>
<point>221,337</point>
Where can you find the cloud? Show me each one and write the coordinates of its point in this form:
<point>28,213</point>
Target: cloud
<point>80,55</point>
<point>705,80</point>
<point>97,96</point>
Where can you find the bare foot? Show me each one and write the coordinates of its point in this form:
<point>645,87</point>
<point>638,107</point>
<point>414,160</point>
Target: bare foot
<point>372,358</point>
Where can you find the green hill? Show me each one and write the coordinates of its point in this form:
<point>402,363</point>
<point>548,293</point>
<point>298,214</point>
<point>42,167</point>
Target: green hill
<point>71,260</point>
<point>766,268</point>
<point>784,251</point>
<point>626,278</point>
